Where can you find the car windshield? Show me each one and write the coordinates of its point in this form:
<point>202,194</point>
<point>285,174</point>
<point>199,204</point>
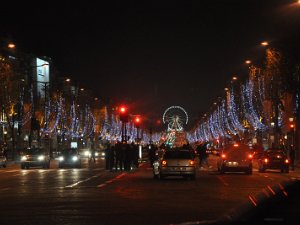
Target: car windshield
<point>177,155</point>
<point>33,151</point>
<point>69,151</point>
<point>237,147</point>
<point>274,153</point>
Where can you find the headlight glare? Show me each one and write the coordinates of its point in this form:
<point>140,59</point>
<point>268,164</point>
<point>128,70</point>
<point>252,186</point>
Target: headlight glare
<point>41,157</point>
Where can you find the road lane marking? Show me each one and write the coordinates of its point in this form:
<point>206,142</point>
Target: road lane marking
<point>112,180</point>
<point>223,181</point>
<point>81,181</point>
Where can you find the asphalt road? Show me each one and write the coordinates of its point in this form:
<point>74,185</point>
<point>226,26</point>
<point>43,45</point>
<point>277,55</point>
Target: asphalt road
<point>93,195</point>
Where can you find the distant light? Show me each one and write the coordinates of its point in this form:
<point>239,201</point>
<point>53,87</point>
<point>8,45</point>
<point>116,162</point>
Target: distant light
<point>248,61</point>
<point>122,109</point>
<point>11,45</point>
<point>81,89</point>
<point>234,78</point>
<point>68,80</point>
<point>265,43</point>
<point>226,89</point>
<point>96,99</point>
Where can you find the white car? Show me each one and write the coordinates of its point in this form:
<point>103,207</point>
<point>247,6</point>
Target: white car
<point>3,160</point>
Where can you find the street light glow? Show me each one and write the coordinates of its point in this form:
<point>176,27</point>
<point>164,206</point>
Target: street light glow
<point>265,43</point>
<point>248,61</point>
<point>11,45</point>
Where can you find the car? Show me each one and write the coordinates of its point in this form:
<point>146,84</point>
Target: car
<point>3,160</point>
<point>236,157</point>
<point>100,153</point>
<point>175,163</point>
<point>275,160</point>
<point>69,157</point>
<point>35,157</point>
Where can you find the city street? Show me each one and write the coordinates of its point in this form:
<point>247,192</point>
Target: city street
<point>93,195</point>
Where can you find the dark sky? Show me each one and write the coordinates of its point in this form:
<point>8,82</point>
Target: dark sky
<point>152,53</point>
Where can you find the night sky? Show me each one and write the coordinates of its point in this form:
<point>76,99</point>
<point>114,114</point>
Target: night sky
<point>151,54</point>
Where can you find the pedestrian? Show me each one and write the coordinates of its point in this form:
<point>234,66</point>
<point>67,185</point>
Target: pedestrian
<point>93,155</point>
<point>108,155</point>
<point>203,156</point>
<point>292,157</point>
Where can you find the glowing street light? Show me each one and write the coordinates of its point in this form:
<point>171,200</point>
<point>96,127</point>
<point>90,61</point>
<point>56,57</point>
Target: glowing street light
<point>264,43</point>
<point>11,45</point>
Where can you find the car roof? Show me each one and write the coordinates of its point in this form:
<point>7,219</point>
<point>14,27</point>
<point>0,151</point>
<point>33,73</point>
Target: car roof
<point>236,145</point>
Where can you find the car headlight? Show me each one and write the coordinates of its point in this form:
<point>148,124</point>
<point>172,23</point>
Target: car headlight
<point>87,153</point>
<point>103,153</point>
<point>96,153</point>
<point>41,157</point>
<point>61,158</point>
<point>75,158</point>
<point>24,158</point>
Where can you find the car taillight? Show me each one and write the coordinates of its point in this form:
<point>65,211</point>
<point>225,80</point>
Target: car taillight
<point>192,162</point>
<point>266,160</point>
<point>223,156</point>
<point>164,163</point>
<point>286,161</point>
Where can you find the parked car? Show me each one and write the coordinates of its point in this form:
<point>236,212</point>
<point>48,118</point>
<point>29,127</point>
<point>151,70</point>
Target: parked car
<point>34,157</point>
<point>3,160</point>
<point>274,159</point>
<point>235,157</point>
<point>175,163</point>
<point>69,157</point>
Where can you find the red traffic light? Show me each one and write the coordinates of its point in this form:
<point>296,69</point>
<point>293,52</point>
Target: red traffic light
<point>137,121</point>
<point>123,109</point>
<point>123,112</point>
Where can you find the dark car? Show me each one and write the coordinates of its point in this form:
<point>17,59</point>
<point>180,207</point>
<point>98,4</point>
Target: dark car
<point>275,160</point>
<point>235,158</point>
<point>175,163</point>
<point>35,157</point>
<point>69,157</point>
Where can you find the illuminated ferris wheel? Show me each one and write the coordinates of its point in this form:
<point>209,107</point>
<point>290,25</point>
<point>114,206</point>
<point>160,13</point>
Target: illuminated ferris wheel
<point>176,118</point>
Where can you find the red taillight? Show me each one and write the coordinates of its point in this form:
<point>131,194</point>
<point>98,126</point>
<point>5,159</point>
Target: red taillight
<point>223,156</point>
<point>286,161</point>
<point>250,156</point>
<point>192,162</point>
<point>164,163</point>
<point>266,160</point>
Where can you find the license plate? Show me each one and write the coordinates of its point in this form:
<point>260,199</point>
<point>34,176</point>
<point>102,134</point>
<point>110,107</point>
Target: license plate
<point>179,168</point>
<point>233,164</point>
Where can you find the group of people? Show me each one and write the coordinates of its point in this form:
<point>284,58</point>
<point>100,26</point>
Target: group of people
<point>121,156</point>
